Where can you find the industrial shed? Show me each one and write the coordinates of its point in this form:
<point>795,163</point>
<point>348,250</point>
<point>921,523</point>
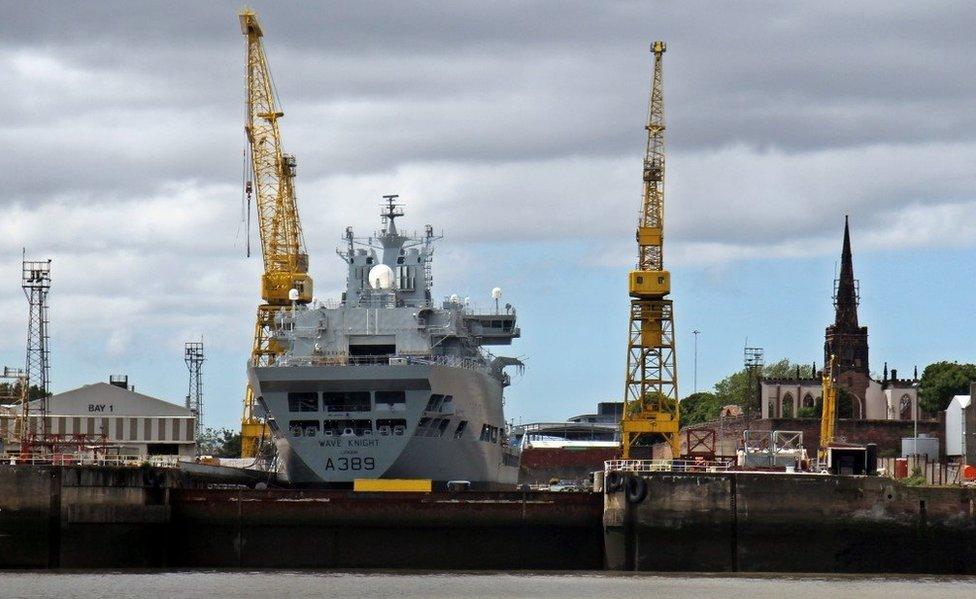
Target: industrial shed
<point>132,423</point>
<point>960,427</point>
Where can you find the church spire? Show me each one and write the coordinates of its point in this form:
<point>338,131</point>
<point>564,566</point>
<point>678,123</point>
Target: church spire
<point>845,301</point>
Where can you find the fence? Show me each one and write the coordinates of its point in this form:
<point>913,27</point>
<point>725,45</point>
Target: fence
<point>58,459</point>
<point>667,465</point>
<point>935,473</point>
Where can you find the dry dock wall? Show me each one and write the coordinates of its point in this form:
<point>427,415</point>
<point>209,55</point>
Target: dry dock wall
<point>341,529</point>
<point>77,517</point>
<point>71,517</point>
<point>752,522</point>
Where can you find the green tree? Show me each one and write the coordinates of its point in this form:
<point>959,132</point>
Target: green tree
<point>739,388</point>
<point>941,381</point>
<point>220,443</point>
<point>700,407</point>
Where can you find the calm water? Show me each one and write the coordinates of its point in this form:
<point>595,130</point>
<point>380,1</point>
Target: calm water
<point>596,585</point>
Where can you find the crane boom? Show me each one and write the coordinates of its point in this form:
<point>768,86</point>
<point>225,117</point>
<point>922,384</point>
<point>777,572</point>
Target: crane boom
<point>282,243</point>
<point>650,411</point>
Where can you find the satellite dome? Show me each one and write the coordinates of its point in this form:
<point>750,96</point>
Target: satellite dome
<point>381,277</point>
<point>294,295</point>
<point>455,298</point>
<point>496,293</point>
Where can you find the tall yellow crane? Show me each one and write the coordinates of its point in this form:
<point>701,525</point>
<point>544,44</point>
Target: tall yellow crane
<point>282,243</point>
<point>650,411</point>
<point>828,410</point>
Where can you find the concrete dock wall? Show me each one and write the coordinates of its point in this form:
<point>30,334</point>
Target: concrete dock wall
<point>74,517</point>
<point>752,522</point>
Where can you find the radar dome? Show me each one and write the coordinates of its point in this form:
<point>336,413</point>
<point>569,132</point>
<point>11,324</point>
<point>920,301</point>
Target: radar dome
<point>293,295</point>
<point>455,298</point>
<point>381,277</point>
<point>496,293</point>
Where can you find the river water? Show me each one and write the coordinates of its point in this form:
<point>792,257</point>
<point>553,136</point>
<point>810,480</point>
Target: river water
<point>592,585</point>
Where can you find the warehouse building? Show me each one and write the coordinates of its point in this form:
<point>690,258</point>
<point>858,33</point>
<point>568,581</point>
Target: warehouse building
<point>112,413</point>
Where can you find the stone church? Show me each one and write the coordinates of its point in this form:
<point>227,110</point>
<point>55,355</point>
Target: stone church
<point>890,398</point>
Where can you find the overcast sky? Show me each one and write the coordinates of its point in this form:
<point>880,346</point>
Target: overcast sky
<point>517,129</point>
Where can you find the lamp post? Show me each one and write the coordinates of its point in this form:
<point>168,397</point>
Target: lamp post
<point>696,333</point>
<point>915,418</point>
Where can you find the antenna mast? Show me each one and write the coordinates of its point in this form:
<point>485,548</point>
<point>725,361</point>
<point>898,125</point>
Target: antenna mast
<point>36,282</point>
<point>193,356</point>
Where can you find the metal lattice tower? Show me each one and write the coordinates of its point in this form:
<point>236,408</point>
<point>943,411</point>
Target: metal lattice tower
<point>193,356</point>
<point>36,282</point>
<point>651,391</point>
<point>753,361</point>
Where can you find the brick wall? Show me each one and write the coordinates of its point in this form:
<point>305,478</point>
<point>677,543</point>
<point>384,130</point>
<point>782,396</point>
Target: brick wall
<point>887,434</point>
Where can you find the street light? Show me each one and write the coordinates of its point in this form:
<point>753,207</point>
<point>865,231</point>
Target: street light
<point>695,333</point>
<point>915,418</point>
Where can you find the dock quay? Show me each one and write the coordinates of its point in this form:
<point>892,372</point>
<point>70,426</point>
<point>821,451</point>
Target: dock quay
<point>162,517</point>
<point>125,517</point>
<point>778,522</point>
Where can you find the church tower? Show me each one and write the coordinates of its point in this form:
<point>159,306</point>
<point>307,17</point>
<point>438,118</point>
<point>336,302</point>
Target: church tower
<point>845,338</point>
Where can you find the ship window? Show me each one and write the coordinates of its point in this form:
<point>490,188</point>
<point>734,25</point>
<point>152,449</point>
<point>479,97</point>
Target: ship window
<point>386,427</point>
<point>432,427</point>
<point>494,434</point>
<point>448,406</point>
<point>303,428</point>
<point>346,401</point>
<point>372,350</point>
<point>391,400</point>
<point>348,428</point>
<point>485,433</point>
<point>459,431</point>
<point>303,402</point>
<point>434,403</point>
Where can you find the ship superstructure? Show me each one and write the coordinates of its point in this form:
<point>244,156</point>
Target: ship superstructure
<point>386,384</point>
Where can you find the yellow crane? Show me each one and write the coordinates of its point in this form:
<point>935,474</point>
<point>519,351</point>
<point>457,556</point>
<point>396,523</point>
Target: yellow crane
<point>828,410</point>
<point>650,411</point>
<point>282,243</point>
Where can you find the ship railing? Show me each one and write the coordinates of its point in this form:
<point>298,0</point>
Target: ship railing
<point>70,459</point>
<point>347,360</point>
<point>642,466</point>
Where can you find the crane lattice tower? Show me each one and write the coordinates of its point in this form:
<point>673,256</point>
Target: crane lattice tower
<point>650,413</point>
<point>36,282</point>
<point>193,356</point>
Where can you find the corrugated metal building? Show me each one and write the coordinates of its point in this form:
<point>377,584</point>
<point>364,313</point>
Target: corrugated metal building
<point>133,423</point>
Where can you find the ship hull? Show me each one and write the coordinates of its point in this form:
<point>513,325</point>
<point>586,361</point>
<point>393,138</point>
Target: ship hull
<point>335,424</point>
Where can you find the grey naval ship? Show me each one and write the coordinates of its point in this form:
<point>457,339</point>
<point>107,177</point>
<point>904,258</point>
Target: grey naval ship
<point>386,384</point>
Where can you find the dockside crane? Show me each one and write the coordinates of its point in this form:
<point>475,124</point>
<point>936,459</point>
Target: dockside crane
<point>650,410</point>
<point>828,410</point>
<point>282,244</point>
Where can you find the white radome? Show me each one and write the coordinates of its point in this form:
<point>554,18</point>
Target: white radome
<point>381,277</point>
<point>293,295</point>
<point>496,293</point>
